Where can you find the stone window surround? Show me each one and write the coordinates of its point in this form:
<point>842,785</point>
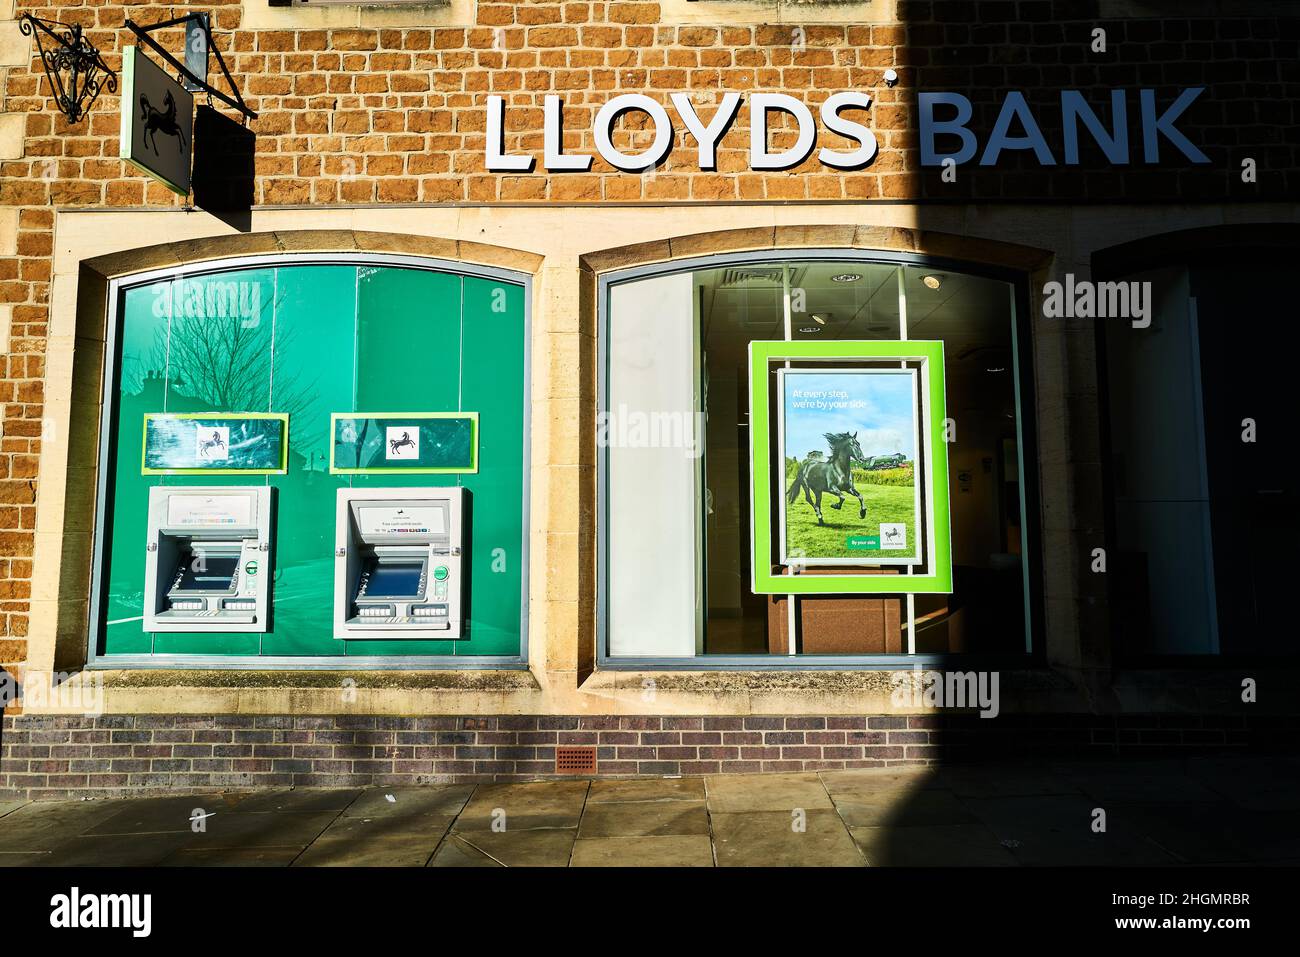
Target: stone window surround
<point>562,677</point>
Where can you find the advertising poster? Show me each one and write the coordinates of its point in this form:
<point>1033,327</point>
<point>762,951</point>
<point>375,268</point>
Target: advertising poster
<point>238,443</point>
<point>848,462</point>
<point>425,442</point>
<point>848,489</point>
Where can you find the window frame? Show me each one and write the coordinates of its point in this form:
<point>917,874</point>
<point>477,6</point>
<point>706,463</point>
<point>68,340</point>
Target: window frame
<point>1030,502</point>
<point>106,448</point>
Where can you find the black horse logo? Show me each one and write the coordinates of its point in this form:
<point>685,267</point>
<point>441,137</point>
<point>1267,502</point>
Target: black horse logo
<point>160,121</point>
<point>212,443</point>
<point>892,535</point>
<point>404,442</point>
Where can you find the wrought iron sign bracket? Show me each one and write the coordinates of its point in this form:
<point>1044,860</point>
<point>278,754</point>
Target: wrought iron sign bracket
<point>64,49</point>
<point>200,83</point>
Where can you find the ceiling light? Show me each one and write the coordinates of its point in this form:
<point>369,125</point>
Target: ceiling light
<point>996,369</point>
<point>932,282</point>
<point>818,319</point>
<point>846,277</point>
<point>810,330</point>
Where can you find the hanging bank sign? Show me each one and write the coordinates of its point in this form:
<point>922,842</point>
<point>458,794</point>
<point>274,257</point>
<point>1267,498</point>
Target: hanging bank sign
<point>943,119</point>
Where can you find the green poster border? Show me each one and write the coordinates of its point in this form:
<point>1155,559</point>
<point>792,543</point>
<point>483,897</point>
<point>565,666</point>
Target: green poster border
<point>407,470</point>
<point>284,442</point>
<point>127,117</point>
<point>929,352</point>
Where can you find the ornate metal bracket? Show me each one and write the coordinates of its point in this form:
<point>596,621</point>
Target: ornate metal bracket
<point>201,83</point>
<point>75,69</point>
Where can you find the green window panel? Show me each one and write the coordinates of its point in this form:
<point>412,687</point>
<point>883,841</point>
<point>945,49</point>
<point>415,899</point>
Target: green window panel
<point>308,341</point>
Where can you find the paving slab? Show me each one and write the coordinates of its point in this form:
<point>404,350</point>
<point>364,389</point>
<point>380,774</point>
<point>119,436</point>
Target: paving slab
<point>1194,833</point>
<point>539,847</point>
<point>115,850</point>
<point>262,829</point>
<point>22,858</point>
<point>1265,836</point>
<point>646,789</point>
<point>544,804</point>
<point>373,850</point>
<point>644,819</point>
<point>878,781</point>
<point>160,815</point>
<point>7,806</point>
<point>902,809</point>
<point>1161,782</point>
<point>299,799</point>
<point>43,825</point>
<point>1002,780</point>
<point>737,793</point>
<point>943,845</point>
<point>420,828</point>
<point>456,852</point>
<point>768,839</point>
<point>436,801</point>
<point>266,856</point>
<point>1250,783</point>
<point>677,850</point>
<point>1057,829</point>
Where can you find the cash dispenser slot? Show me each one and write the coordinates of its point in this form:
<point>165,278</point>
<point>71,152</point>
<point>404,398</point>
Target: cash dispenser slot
<point>208,559</point>
<point>398,563</point>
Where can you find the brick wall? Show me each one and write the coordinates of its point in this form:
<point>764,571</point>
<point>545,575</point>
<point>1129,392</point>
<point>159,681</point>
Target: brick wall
<point>110,755</point>
<point>392,115</point>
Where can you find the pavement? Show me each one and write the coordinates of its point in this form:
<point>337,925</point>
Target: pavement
<point>1227,809</point>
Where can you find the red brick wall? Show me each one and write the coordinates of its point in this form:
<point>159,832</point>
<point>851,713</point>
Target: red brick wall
<point>53,756</point>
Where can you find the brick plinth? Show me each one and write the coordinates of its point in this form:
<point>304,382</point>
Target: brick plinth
<point>44,756</point>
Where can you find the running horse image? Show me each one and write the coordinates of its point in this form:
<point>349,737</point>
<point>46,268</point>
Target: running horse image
<point>404,442</point>
<point>213,443</point>
<point>817,475</point>
<point>160,121</point>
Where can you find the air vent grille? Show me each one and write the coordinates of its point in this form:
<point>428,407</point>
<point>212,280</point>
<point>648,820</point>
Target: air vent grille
<point>575,760</point>
<point>758,276</point>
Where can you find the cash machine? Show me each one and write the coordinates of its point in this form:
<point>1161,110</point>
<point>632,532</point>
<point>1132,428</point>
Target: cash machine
<point>397,563</point>
<point>208,559</point>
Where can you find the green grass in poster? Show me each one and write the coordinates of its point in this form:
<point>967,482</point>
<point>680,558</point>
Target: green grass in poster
<point>889,497</point>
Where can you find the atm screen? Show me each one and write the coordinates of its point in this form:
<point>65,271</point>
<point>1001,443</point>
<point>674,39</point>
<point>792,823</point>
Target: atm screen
<point>394,579</point>
<point>214,572</point>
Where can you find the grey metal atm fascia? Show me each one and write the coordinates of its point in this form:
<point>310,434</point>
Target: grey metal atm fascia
<point>435,609</point>
<point>174,544</point>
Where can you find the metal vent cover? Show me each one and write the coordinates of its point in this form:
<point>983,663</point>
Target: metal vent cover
<point>575,760</point>
<point>769,276</point>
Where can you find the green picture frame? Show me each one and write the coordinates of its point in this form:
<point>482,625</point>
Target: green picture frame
<point>397,420</point>
<point>937,576</point>
<point>216,419</point>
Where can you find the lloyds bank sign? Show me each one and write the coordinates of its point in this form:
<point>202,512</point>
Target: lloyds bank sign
<point>1139,129</point>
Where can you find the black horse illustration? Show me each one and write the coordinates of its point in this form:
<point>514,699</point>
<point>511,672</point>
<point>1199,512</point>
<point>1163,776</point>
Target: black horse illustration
<point>816,475</point>
<point>160,121</point>
<point>404,442</point>
<point>892,535</point>
<point>212,443</point>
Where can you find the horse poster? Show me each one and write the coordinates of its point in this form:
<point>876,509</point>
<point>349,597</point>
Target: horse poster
<point>849,493</point>
<point>157,131</point>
